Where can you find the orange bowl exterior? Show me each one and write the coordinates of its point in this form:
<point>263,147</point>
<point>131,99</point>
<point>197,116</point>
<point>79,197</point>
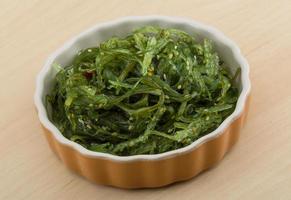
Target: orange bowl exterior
<point>150,173</point>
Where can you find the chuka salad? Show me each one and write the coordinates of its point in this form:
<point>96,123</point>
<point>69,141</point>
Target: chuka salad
<point>153,91</point>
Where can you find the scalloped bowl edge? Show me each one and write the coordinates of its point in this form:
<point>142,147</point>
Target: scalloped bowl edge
<point>141,171</point>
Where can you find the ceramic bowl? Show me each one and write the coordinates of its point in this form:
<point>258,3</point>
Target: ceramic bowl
<point>140,171</point>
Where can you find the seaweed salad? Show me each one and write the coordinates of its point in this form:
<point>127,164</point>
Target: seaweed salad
<point>153,91</point>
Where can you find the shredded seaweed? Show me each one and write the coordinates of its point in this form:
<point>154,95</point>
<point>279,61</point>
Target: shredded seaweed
<point>153,91</point>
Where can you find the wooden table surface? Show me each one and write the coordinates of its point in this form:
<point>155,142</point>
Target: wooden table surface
<point>258,167</point>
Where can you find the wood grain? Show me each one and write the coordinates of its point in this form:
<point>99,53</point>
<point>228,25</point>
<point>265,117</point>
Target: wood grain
<point>259,167</point>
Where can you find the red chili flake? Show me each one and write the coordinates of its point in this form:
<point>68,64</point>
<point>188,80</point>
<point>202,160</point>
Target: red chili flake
<point>88,75</point>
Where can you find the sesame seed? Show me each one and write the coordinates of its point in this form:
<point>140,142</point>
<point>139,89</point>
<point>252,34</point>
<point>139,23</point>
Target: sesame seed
<point>165,76</point>
<point>150,73</point>
<point>179,87</point>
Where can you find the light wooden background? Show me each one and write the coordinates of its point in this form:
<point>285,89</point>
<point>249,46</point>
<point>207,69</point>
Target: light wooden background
<point>259,167</point>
